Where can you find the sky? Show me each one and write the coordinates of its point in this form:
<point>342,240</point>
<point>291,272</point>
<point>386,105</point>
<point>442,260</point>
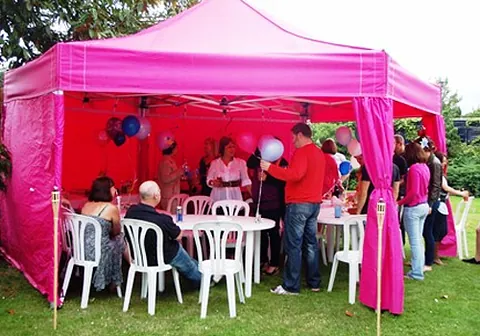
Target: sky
<point>431,39</point>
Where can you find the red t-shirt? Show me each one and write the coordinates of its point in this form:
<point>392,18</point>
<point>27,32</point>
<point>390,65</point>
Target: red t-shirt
<point>304,176</point>
<point>331,174</point>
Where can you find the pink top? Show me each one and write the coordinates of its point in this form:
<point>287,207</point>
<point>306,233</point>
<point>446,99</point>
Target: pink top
<point>418,178</point>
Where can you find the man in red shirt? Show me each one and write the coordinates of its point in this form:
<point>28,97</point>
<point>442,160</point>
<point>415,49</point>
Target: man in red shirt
<point>303,195</point>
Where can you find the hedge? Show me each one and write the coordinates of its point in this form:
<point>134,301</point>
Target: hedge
<point>465,177</point>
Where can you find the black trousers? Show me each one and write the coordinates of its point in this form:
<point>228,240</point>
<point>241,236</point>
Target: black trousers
<point>272,237</point>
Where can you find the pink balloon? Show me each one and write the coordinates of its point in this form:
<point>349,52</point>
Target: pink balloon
<point>343,135</point>
<point>263,139</point>
<point>103,137</point>
<point>165,139</point>
<point>145,129</point>
<point>247,142</point>
<point>354,148</point>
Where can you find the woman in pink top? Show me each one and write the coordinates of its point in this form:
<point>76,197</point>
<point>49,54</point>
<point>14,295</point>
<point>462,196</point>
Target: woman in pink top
<point>416,206</point>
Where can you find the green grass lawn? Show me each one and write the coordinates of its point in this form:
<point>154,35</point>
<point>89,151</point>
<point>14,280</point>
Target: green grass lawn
<point>23,311</point>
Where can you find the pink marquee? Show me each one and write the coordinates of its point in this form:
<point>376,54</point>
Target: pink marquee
<point>219,68</point>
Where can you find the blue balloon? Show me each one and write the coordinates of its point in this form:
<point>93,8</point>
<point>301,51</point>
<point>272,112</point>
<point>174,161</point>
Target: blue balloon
<point>272,150</point>
<point>119,139</point>
<point>130,125</point>
<point>345,168</point>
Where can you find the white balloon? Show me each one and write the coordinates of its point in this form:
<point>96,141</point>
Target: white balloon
<point>272,150</point>
<point>354,162</point>
<point>262,140</point>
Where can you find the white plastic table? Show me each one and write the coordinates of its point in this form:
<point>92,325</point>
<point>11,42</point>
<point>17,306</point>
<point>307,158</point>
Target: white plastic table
<point>252,243</point>
<point>327,217</point>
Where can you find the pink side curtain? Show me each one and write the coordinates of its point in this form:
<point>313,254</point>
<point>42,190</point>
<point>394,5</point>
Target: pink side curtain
<point>435,126</point>
<point>375,126</point>
<point>26,226</point>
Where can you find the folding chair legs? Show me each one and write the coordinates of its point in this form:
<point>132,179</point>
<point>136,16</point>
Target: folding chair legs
<point>152,292</point>
<point>333,274</point>
<point>206,278</point>
<point>231,295</point>
<point>176,281</point>
<point>128,289</point>
<point>68,275</point>
<point>87,282</point>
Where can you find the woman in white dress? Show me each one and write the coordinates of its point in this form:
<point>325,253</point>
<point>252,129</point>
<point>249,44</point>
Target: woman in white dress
<point>228,174</point>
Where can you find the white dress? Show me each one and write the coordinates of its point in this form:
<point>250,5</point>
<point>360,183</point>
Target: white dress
<point>236,170</point>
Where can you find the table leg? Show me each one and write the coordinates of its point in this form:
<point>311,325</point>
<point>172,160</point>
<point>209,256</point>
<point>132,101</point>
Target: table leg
<point>256,264</point>
<point>330,243</point>
<point>248,263</point>
<point>338,236</point>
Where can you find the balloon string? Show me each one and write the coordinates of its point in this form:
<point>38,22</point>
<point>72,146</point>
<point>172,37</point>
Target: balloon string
<point>259,197</point>
<point>134,181</point>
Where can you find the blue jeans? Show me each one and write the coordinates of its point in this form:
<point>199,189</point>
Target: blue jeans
<point>300,236</point>
<point>187,266</point>
<point>414,220</point>
<point>428,234</point>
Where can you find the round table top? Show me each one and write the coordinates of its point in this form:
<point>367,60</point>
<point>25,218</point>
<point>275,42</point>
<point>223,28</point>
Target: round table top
<point>247,223</point>
<point>327,216</point>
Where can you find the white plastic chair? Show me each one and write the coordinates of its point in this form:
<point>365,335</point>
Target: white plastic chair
<point>202,205</point>
<point>137,231</point>
<point>76,225</point>
<point>232,208</point>
<point>351,256</point>
<point>461,216</point>
<point>218,265</point>
<point>176,200</point>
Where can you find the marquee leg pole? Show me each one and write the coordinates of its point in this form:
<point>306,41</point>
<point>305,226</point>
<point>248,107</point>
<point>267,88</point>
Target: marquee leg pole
<point>56,208</point>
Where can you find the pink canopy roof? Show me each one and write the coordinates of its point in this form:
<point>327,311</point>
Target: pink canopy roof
<point>226,48</point>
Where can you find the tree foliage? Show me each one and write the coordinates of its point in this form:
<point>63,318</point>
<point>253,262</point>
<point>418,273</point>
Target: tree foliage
<point>474,114</point>
<point>451,110</point>
<point>31,27</point>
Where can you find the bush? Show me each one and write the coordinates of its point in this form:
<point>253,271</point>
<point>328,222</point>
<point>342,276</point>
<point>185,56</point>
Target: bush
<point>465,177</point>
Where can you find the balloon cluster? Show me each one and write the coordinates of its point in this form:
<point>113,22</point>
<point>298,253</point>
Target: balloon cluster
<point>343,134</point>
<point>118,130</point>
<point>271,149</point>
